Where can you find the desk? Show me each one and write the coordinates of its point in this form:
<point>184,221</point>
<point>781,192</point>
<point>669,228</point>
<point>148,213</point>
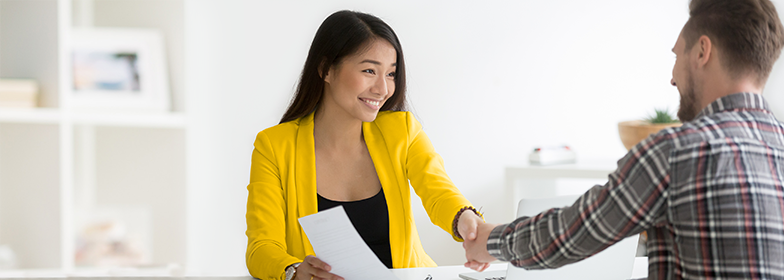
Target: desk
<point>438,273</point>
<point>640,270</point>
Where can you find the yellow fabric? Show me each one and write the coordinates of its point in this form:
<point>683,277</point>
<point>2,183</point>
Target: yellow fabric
<point>283,188</point>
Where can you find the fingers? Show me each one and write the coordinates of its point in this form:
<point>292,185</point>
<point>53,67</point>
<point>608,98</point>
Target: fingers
<point>476,265</point>
<point>314,268</point>
<point>323,274</point>
<point>472,226</point>
<point>317,263</point>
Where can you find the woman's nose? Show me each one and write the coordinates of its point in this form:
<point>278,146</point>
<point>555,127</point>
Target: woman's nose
<point>381,86</point>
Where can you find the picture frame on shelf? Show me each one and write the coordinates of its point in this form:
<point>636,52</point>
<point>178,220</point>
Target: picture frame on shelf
<point>119,69</point>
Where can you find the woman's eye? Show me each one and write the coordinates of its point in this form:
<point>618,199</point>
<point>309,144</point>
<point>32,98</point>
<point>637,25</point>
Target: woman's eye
<point>370,71</point>
<point>392,74</point>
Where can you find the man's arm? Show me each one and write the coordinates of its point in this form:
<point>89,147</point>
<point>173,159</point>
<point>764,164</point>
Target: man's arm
<point>632,200</point>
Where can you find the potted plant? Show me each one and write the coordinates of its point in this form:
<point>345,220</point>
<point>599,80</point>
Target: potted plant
<point>632,132</point>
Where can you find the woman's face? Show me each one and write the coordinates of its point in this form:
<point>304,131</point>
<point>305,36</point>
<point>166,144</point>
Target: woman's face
<point>360,84</point>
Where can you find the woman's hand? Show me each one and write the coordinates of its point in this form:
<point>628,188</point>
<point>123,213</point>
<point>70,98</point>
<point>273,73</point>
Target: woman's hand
<point>313,268</point>
<point>467,226</point>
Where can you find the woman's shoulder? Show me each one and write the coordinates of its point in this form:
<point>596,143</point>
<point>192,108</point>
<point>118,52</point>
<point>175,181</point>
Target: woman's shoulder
<point>395,119</point>
<point>400,123</point>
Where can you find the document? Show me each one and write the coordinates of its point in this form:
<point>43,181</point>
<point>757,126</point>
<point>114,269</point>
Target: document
<point>337,243</point>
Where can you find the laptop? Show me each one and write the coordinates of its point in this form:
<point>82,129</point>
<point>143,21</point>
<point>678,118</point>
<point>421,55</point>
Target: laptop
<point>614,263</point>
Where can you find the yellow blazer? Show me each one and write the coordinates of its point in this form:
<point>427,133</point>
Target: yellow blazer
<point>283,188</point>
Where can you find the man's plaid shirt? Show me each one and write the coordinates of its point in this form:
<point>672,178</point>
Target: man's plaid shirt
<point>709,194</point>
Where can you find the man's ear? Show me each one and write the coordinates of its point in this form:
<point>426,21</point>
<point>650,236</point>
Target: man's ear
<point>705,50</point>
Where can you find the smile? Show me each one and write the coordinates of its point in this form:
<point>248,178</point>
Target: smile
<point>371,102</point>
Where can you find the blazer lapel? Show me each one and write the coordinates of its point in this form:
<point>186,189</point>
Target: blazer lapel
<point>393,192</point>
<point>306,174</point>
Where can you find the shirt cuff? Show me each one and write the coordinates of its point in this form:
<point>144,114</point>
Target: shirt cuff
<point>496,244</point>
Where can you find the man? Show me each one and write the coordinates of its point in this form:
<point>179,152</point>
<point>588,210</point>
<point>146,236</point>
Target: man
<point>710,194</point>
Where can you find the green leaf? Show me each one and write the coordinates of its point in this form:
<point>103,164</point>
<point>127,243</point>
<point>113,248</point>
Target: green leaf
<point>661,116</point>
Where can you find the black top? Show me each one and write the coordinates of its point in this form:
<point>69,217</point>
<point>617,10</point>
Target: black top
<point>370,217</point>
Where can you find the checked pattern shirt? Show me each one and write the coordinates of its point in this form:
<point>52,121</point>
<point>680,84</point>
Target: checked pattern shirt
<point>709,195</point>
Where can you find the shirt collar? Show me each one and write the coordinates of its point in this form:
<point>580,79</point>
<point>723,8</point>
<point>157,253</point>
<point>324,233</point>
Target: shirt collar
<point>739,101</point>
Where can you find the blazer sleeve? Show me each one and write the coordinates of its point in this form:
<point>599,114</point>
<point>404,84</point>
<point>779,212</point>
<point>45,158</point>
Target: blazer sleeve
<point>425,170</point>
<point>266,255</point>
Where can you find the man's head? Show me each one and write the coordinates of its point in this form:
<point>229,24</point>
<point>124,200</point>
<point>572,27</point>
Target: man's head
<point>724,42</point>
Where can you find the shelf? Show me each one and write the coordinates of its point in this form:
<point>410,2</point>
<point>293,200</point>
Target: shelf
<point>32,115</point>
<point>535,181</point>
<point>122,119</point>
<point>582,169</point>
<point>162,120</point>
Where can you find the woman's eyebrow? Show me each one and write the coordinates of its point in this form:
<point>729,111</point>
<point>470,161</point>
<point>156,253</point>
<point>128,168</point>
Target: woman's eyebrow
<point>374,62</point>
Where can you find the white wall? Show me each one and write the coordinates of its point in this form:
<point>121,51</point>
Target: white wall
<point>774,90</point>
<point>490,80</point>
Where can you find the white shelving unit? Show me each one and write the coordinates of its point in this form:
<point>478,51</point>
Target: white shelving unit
<point>32,116</point>
<point>533,181</point>
<point>54,116</point>
<point>60,166</point>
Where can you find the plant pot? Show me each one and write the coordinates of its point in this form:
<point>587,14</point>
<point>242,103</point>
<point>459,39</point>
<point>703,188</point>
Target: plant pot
<point>632,132</point>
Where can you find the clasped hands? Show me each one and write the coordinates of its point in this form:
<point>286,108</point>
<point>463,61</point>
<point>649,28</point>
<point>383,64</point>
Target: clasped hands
<point>475,233</point>
<point>470,226</point>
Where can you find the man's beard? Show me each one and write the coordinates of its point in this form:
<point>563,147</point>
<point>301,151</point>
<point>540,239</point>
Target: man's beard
<point>688,107</point>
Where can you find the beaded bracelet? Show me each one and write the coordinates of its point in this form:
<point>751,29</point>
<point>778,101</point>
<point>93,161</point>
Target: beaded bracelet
<point>457,218</point>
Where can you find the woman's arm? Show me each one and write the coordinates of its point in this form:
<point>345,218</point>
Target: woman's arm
<point>425,169</point>
<point>266,255</point>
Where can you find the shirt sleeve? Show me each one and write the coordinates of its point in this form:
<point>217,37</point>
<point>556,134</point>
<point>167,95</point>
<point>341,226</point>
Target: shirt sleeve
<point>633,200</point>
<point>266,255</point>
<point>425,169</point>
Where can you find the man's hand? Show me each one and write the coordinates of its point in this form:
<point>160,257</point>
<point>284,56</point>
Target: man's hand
<point>476,250</point>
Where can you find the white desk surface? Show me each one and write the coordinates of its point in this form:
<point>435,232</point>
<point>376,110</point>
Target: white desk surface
<point>438,273</point>
<point>451,272</point>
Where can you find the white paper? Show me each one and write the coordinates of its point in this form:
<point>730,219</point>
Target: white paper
<point>338,244</point>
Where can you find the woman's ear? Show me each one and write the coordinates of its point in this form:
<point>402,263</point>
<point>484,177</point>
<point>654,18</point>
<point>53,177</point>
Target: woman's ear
<point>321,73</point>
<point>325,76</point>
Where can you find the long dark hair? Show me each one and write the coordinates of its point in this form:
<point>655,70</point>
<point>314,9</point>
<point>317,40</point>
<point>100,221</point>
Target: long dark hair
<point>340,35</point>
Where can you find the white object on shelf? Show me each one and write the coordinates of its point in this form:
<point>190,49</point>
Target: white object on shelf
<point>18,93</point>
<point>119,69</point>
<point>552,155</point>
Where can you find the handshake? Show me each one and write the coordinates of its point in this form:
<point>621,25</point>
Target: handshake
<point>475,232</point>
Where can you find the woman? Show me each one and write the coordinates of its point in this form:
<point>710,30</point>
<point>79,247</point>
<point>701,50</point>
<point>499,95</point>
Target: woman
<point>346,139</point>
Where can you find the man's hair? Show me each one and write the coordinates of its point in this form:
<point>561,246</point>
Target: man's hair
<point>748,34</point>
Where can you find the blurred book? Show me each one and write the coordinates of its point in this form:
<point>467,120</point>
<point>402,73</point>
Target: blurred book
<point>18,93</point>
